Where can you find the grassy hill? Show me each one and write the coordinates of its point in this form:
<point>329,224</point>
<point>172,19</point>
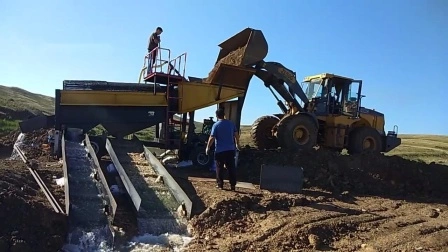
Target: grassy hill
<point>17,99</point>
<point>17,104</point>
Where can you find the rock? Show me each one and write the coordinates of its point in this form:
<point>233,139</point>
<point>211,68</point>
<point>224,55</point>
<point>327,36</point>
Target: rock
<point>367,248</point>
<point>314,241</point>
<point>431,213</point>
<point>159,179</point>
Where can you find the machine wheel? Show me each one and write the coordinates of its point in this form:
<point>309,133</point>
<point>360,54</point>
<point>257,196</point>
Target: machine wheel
<point>96,147</point>
<point>261,132</point>
<point>199,158</point>
<point>364,139</point>
<point>297,132</point>
<point>99,145</point>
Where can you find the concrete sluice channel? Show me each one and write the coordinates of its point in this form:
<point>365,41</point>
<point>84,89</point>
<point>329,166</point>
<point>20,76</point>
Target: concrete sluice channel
<point>154,207</point>
<point>161,226</point>
<point>88,225</point>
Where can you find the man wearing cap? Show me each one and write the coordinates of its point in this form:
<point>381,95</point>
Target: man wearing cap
<point>226,138</point>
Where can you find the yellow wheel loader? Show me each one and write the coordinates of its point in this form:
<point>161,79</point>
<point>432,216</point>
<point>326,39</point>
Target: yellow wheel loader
<point>331,117</point>
<point>328,113</point>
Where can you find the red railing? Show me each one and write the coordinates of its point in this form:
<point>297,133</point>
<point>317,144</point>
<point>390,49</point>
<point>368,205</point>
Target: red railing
<point>177,65</point>
<point>161,62</point>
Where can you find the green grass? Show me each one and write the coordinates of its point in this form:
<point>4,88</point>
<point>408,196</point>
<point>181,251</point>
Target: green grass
<point>17,99</point>
<point>6,126</point>
<point>426,148</point>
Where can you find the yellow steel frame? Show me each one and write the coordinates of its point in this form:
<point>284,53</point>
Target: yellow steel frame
<point>196,95</point>
<point>111,98</point>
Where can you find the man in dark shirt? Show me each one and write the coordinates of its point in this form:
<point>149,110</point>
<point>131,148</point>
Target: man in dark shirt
<point>225,134</point>
<point>153,42</point>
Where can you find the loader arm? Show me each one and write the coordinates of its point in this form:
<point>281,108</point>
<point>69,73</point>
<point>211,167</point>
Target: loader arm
<point>275,75</point>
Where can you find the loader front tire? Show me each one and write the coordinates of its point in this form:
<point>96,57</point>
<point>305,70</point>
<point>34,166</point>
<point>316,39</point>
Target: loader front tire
<point>261,132</point>
<point>297,132</point>
<point>364,140</point>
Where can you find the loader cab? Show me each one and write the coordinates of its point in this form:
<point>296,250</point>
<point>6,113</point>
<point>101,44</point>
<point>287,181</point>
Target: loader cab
<point>330,94</point>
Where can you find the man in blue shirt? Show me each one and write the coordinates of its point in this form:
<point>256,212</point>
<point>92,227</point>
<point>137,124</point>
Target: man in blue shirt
<point>226,138</point>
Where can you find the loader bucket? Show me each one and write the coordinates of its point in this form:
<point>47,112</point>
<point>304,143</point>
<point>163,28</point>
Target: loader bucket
<point>256,47</point>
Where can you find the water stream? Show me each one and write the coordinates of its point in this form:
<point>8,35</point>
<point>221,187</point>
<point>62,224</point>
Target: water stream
<point>88,225</point>
<point>18,143</point>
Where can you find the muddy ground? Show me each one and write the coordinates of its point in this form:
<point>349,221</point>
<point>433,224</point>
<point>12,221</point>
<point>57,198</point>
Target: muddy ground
<point>349,203</point>
<point>29,222</point>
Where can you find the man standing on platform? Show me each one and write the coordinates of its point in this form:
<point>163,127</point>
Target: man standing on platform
<point>153,43</point>
<point>226,136</point>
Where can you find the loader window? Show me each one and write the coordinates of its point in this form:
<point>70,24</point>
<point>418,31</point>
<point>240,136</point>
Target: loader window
<point>351,98</point>
<point>313,89</point>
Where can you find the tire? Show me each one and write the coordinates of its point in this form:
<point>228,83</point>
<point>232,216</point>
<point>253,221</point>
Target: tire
<point>261,132</point>
<point>297,132</point>
<point>364,140</point>
<point>100,148</point>
<point>197,155</point>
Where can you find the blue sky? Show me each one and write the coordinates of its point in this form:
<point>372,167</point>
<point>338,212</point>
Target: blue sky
<point>396,47</point>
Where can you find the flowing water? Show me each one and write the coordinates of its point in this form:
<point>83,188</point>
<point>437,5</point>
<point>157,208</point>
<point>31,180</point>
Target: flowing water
<point>89,229</point>
<point>159,229</point>
<point>18,143</point>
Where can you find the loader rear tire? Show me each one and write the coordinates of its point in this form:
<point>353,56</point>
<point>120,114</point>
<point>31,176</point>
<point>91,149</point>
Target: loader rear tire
<point>261,132</point>
<point>364,140</point>
<point>297,132</point>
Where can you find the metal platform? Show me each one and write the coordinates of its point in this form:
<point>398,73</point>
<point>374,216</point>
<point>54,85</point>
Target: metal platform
<point>163,78</point>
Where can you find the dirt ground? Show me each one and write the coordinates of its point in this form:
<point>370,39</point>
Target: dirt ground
<point>349,203</point>
<point>29,223</point>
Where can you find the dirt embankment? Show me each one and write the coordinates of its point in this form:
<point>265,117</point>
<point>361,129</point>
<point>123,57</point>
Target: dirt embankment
<point>350,203</point>
<point>7,141</point>
<point>371,174</point>
<point>29,222</point>
<point>11,114</point>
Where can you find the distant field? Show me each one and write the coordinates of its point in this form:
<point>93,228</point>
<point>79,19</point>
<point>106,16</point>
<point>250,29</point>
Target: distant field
<point>427,148</point>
